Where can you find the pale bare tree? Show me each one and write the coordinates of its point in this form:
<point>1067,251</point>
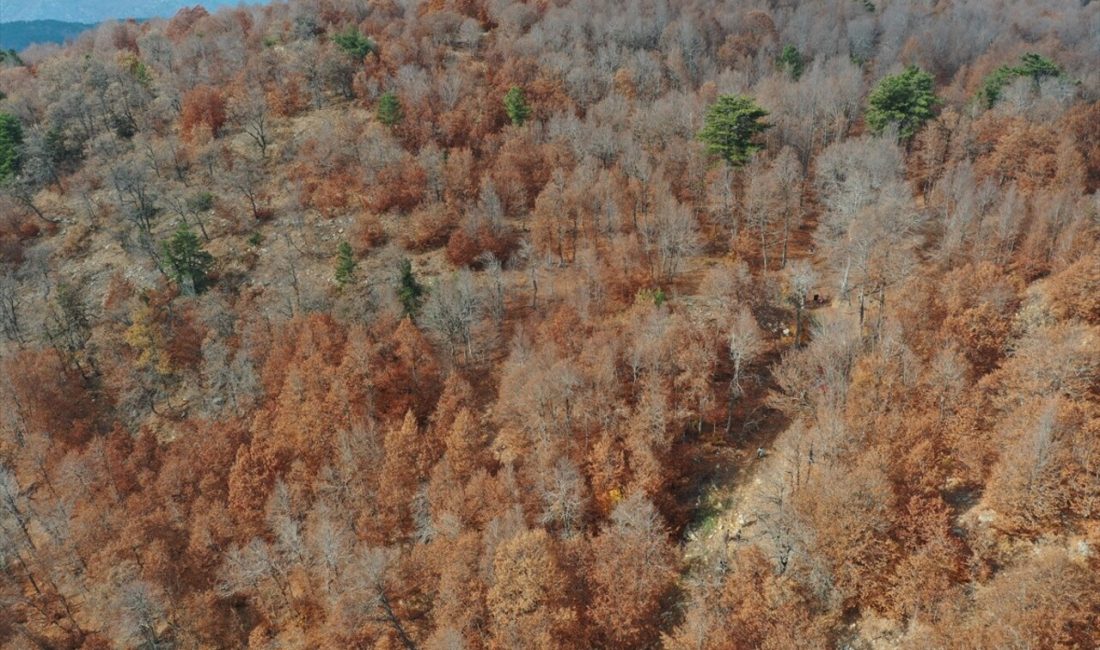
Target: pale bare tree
<point>670,235</point>
<point>250,112</point>
<point>563,497</point>
<point>11,301</point>
<point>801,280</point>
<point>787,175</point>
<point>452,312</point>
<point>746,342</point>
<point>140,615</point>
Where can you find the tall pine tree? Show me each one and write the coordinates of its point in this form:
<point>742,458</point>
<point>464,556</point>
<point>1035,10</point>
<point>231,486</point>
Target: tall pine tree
<point>731,126</point>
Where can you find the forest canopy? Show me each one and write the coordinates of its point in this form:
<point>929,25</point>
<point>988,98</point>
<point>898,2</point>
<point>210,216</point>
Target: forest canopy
<point>490,324</point>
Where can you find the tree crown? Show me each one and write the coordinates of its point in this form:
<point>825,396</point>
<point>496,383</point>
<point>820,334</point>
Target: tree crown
<point>11,142</point>
<point>730,127</point>
<point>345,264</point>
<point>355,44</point>
<point>515,104</point>
<point>389,109</point>
<point>1031,65</point>
<point>409,290</point>
<point>791,60</point>
<point>906,100</point>
<point>188,261</point>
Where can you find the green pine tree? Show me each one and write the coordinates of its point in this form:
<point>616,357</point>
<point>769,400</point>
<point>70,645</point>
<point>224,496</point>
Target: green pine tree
<point>139,71</point>
<point>345,264</point>
<point>10,57</point>
<point>355,44</point>
<point>409,290</point>
<point>1031,65</point>
<point>730,128</point>
<point>11,143</point>
<point>906,100</point>
<point>60,150</point>
<point>790,59</point>
<point>515,104</point>
<point>187,260</point>
<point>1038,66</point>
<point>389,109</point>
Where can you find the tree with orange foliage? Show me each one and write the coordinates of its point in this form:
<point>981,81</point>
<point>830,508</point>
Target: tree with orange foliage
<point>460,611</point>
<point>634,567</point>
<point>851,511</point>
<point>250,480</point>
<point>408,459</point>
<point>465,444</point>
<point>1075,291</point>
<point>42,396</point>
<point>203,110</point>
<point>979,302</point>
<point>1040,601</point>
<point>399,186</point>
<point>554,222</point>
<point>407,375</point>
<point>530,600</point>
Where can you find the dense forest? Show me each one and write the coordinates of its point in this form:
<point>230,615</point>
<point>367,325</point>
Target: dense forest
<point>453,324</point>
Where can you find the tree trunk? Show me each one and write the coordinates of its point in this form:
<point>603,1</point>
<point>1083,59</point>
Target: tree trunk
<point>881,311</point>
<point>786,237</point>
<point>394,622</point>
<point>798,322</point>
<point>861,308</point>
<point>763,243</point>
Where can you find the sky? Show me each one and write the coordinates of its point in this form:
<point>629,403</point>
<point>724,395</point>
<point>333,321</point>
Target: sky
<point>94,11</point>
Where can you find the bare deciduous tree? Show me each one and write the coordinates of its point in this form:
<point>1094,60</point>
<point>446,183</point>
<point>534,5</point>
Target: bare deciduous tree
<point>453,311</point>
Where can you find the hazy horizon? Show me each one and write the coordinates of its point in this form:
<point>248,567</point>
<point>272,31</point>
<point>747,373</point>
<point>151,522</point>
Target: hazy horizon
<point>96,11</point>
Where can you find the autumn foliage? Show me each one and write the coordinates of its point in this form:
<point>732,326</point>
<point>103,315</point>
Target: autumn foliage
<point>526,363</point>
<point>203,111</point>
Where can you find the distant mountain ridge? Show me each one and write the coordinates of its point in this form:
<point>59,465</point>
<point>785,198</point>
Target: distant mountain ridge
<point>95,11</point>
<point>21,33</point>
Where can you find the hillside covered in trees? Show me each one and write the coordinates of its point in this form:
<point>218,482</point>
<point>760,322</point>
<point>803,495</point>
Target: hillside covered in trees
<point>454,324</point>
